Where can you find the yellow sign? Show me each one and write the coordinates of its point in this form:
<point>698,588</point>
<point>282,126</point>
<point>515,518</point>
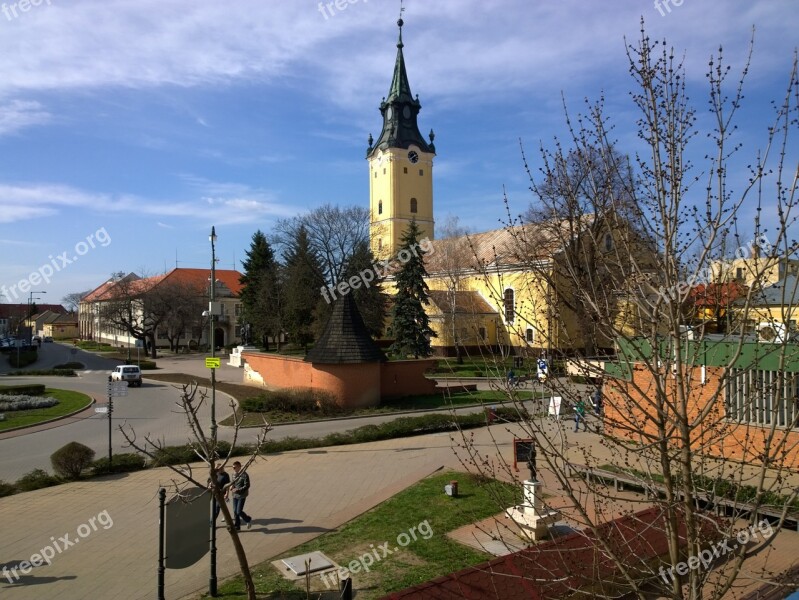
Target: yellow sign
<point>213,363</point>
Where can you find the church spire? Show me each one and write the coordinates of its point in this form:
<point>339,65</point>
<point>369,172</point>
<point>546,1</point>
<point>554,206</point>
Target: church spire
<point>400,109</point>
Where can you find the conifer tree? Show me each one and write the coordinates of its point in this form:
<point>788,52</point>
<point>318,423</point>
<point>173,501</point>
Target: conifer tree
<point>410,325</point>
<point>303,282</point>
<point>260,294</point>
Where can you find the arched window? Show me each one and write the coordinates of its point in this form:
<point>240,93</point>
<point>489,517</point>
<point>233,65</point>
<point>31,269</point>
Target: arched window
<point>510,313</point>
<point>414,205</point>
<point>379,243</point>
<point>529,335</point>
<point>380,207</point>
<point>608,242</point>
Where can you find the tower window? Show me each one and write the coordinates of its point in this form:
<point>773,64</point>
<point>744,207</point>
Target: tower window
<point>421,171</point>
<point>384,170</point>
<point>379,243</point>
<point>608,242</point>
<point>375,174</point>
<point>380,207</point>
<point>510,313</point>
<point>414,205</point>
<point>404,169</point>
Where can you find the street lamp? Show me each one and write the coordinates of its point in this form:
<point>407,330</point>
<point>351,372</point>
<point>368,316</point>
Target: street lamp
<point>30,304</point>
<point>212,458</point>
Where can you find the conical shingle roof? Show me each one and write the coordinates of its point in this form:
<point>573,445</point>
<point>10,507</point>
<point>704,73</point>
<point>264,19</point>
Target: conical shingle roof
<point>345,338</point>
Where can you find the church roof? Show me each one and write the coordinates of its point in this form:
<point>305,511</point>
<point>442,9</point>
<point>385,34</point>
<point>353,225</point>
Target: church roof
<point>345,338</point>
<point>466,302</point>
<point>515,246</point>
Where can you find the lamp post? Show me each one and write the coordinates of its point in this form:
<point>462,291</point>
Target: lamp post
<point>27,317</point>
<point>211,312</point>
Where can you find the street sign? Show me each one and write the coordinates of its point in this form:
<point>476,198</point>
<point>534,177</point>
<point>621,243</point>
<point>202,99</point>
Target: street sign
<point>213,363</point>
<point>117,388</point>
<point>101,409</point>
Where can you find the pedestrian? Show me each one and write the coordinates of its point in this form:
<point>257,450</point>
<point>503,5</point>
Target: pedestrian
<point>597,399</point>
<point>240,487</point>
<point>579,415</point>
<point>222,482</point>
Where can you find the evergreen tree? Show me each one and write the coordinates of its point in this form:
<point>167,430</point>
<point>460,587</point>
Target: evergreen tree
<point>303,282</point>
<point>372,302</point>
<point>410,325</point>
<point>260,295</point>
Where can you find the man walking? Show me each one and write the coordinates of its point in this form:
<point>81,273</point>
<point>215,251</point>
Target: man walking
<point>241,488</point>
<point>579,415</point>
<point>222,481</point>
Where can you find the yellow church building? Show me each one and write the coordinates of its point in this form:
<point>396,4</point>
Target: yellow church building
<point>494,290</point>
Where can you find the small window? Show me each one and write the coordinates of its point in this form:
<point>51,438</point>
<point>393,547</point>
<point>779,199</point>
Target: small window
<point>421,171</point>
<point>481,331</point>
<point>414,205</point>
<point>510,313</point>
<point>608,242</point>
<point>380,207</point>
<point>529,336</point>
<point>375,174</point>
<point>739,273</point>
<point>379,243</point>
<point>384,170</point>
<point>405,170</point>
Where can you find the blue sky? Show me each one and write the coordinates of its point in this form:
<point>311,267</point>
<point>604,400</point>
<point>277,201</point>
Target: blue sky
<point>144,122</point>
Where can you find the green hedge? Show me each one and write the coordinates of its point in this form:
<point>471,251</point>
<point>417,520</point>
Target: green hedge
<point>297,400</point>
<point>40,372</point>
<point>121,463</point>
<point>36,480</point>
<point>70,365</point>
<point>28,389</point>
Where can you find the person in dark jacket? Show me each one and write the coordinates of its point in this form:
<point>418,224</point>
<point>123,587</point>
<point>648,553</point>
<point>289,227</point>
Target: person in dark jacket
<point>240,488</point>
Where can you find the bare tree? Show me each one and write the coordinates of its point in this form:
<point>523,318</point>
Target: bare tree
<point>206,447</point>
<point>705,425</point>
<point>73,299</point>
<point>334,233</point>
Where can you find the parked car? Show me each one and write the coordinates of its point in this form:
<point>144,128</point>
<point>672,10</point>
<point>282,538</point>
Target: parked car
<point>129,373</point>
<point>48,338</point>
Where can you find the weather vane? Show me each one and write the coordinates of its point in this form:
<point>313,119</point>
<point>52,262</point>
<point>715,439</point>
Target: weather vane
<point>402,9</point>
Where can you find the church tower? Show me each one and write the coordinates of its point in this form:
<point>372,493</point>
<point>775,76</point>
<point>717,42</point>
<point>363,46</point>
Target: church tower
<point>400,167</point>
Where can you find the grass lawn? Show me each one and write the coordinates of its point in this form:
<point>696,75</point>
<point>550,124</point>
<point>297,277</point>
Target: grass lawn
<point>68,402</point>
<point>94,346</point>
<point>242,392</point>
<point>420,560</point>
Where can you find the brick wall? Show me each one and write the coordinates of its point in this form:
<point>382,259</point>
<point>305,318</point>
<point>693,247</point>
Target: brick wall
<point>630,406</point>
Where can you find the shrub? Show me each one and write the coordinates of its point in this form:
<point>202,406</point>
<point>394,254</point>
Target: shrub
<point>12,403</point>
<point>6,489</point>
<point>69,461</point>
<point>29,389</point>
<point>297,400</point>
<point>36,480</point>
<point>121,463</point>
<point>39,372</point>
<point>71,365</point>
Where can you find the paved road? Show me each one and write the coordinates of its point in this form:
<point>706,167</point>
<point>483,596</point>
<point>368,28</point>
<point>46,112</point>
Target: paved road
<point>149,410</point>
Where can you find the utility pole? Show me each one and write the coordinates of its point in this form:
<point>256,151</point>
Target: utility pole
<point>212,588</point>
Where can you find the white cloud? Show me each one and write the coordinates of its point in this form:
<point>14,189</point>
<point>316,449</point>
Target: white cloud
<point>17,114</point>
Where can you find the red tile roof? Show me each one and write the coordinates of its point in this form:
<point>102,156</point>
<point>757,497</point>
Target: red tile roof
<point>21,310</point>
<point>717,294</point>
<point>559,567</point>
<point>194,277</point>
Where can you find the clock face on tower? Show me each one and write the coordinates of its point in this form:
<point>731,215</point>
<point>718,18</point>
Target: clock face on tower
<point>413,156</point>
<point>389,113</point>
